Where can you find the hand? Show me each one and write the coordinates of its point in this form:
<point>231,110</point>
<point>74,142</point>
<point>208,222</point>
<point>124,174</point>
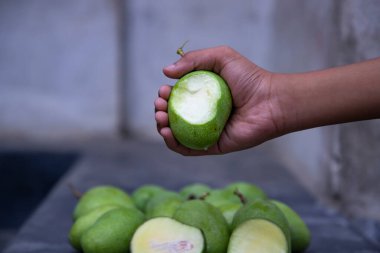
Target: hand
<point>255,114</point>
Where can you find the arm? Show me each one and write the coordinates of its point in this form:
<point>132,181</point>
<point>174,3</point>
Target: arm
<point>331,96</point>
<point>268,105</point>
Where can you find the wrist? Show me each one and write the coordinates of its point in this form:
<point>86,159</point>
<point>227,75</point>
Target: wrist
<point>326,97</point>
<point>305,100</point>
<point>283,101</point>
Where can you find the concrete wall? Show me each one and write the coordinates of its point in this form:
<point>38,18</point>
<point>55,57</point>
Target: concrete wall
<point>340,164</point>
<point>305,40</point>
<point>59,69</point>
<point>358,160</point>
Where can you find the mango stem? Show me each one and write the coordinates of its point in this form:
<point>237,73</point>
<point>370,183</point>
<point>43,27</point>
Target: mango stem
<point>180,49</point>
<point>242,198</point>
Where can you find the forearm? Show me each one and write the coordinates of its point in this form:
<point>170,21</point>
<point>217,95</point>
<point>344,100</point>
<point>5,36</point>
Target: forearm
<point>331,96</point>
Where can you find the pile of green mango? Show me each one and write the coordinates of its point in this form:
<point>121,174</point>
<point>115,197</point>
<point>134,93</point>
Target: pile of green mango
<point>238,218</point>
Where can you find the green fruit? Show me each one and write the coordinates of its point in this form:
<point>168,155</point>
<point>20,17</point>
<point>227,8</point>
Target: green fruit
<point>195,190</point>
<point>86,221</point>
<point>199,106</point>
<point>249,191</point>
<point>142,195</point>
<point>112,232</point>
<point>207,218</point>
<point>164,234</point>
<point>100,196</point>
<point>259,227</point>
<point>220,197</point>
<point>228,210</point>
<point>299,232</point>
<point>162,205</point>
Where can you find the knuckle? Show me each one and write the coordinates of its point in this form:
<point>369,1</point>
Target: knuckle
<point>226,49</point>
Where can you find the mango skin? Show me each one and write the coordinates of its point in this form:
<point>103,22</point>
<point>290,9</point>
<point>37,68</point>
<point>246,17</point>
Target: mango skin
<point>299,232</point>
<point>201,136</point>
<point>250,191</point>
<point>266,210</point>
<point>207,218</point>
<point>85,222</point>
<point>220,197</point>
<point>112,232</point>
<point>99,196</point>
<point>163,204</point>
<point>194,190</point>
<point>144,193</point>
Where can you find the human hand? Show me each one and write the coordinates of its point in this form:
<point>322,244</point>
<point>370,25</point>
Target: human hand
<point>256,113</point>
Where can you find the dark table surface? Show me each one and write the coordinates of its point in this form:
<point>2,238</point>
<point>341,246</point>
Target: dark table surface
<point>138,163</point>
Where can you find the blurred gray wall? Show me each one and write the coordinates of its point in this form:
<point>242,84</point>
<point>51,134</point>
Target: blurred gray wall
<point>74,70</point>
<point>59,69</point>
<point>342,163</point>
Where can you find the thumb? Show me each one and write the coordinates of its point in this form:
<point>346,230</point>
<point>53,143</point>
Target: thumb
<point>213,59</point>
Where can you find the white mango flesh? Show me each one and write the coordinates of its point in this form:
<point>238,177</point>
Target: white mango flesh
<point>196,102</point>
<point>257,236</point>
<point>165,235</point>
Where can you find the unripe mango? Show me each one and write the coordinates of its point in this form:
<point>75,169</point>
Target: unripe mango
<point>199,107</point>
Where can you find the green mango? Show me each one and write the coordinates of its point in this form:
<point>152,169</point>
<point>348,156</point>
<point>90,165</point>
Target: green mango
<point>198,109</point>
<point>220,197</point>
<point>163,204</point>
<point>142,195</point>
<point>85,222</point>
<point>259,227</point>
<point>100,196</point>
<point>195,190</point>
<point>163,234</point>
<point>249,191</point>
<point>228,210</point>
<point>299,232</point>
<point>112,232</point>
<point>207,218</point>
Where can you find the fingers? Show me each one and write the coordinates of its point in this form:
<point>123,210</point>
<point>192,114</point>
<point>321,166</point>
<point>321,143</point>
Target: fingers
<point>213,59</point>
<point>164,92</point>
<point>172,143</point>
<point>162,120</point>
<point>161,107</point>
<point>160,104</point>
<point>175,146</point>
